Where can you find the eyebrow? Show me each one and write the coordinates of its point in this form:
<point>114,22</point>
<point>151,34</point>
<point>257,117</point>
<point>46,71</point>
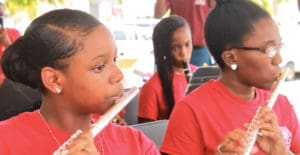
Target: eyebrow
<point>103,55</point>
<point>99,56</point>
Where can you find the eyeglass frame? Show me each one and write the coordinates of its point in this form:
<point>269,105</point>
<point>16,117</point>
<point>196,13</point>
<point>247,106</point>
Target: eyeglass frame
<point>273,48</point>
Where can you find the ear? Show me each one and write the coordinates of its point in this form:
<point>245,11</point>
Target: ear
<point>229,57</point>
<point>51,79</point>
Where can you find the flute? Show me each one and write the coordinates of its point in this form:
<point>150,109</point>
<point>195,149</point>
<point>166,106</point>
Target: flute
<point>187,71</point>
<point>252,132</point>
<point>104,119</point>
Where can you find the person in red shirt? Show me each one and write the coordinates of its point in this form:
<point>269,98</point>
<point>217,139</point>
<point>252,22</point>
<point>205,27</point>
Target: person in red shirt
<point>172,50</point>
<point>195,12</point>
<point>245,42</point>
<point>7,36</point>
<point>70,57</point>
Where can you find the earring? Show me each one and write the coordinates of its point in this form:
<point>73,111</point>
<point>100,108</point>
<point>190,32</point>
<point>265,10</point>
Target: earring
<point>58,90</point>
<point>164,57</point>
<point>233,66</point>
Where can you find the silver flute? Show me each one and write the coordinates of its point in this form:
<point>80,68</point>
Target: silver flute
<point>103,120</point>
<point>187,71</point>
<point>252,131</point>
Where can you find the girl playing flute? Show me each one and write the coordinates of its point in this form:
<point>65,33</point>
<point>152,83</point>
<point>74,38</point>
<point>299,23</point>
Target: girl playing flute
<point>71,58</point>
<point>172,45</point>
<point>245,42</point>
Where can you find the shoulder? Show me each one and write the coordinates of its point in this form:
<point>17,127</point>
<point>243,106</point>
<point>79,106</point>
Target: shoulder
<point>153,79</point>
<point>202,95</point>
<point>17,122</point>
<point>13,32</point>
<point>205,89</point>
<point>153,82</point>
<point>13,126</point>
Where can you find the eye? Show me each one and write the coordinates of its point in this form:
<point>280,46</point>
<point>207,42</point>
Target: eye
<point>188,44</point>
<point>99,68</point>
<point>115,59</point>
<point>175,48</point>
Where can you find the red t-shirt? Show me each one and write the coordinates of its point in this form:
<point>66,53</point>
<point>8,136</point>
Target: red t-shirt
<point>201,120</point>
<point>13,35</point>
<point>27,134</point>
<point>151,101</point>
<point>195,12</point>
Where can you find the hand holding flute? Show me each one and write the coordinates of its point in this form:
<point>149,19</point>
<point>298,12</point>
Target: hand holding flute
<point>83,145</point>
<point>263,129</point>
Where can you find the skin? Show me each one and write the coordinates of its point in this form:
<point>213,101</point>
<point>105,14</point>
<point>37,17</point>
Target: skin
<point>90,84</point>
<point>263,71</point>
<point>181,48</point>
<point>160,8</point>
<point>4,38</point>
<point>181,51</point>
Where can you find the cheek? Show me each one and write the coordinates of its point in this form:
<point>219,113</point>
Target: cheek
<point>175,55</point>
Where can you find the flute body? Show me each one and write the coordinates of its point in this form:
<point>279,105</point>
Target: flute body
<point>104,119</point>
<point>187,71</point>
<point>252,132</point>
<point>113,111</point>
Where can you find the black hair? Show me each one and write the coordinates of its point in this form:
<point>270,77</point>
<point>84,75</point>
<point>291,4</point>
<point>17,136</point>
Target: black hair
<point>49,39</point>
<point>228,23</point>
<point>162,40</point>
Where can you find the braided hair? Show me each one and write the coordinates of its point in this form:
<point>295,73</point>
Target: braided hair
<point>162,39</point>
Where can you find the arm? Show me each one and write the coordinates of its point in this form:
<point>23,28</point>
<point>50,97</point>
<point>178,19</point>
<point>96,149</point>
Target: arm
<point>148,104</point>
<point>160,8</point>
<point>299,5</point>
<point>4,38</point>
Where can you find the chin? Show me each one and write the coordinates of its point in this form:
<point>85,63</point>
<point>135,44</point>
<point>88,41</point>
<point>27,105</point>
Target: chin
<point>271,85</point>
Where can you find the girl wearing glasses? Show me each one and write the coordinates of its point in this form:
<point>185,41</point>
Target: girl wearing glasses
<point>245,43</point>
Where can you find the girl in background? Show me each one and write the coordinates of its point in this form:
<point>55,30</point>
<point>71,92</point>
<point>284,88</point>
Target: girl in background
<point>172,50</point>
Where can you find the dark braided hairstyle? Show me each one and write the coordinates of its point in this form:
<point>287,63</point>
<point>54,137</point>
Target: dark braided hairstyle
<point>228,23</point>
<point>48,40</point>
<point>162,39</point>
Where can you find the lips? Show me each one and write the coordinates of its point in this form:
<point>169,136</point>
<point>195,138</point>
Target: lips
<point>117,96</point>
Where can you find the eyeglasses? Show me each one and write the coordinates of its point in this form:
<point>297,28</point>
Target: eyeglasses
<point>270,51</point>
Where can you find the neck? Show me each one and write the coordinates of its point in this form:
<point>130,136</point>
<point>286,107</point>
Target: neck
<point>179,70</point>
<point>65,120</point>
<point>236,87</point>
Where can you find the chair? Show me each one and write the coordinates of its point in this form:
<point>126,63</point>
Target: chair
<point>131,111</point>
<point>202,75</point>
<point>16,98</point>
<point>154,130</point>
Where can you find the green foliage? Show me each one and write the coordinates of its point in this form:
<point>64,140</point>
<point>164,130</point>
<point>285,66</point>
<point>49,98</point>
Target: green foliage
<point>26,6</point>
<point>268,4</point>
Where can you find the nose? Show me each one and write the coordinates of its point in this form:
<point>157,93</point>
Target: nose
<point>186,53</point>
<point>277,58</point>
<point>117,75</point>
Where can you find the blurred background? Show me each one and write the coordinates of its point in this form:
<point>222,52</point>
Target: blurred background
<point>131,22</point>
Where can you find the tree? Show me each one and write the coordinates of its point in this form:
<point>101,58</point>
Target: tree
<point>27,6</point>
<point>270,5</point>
